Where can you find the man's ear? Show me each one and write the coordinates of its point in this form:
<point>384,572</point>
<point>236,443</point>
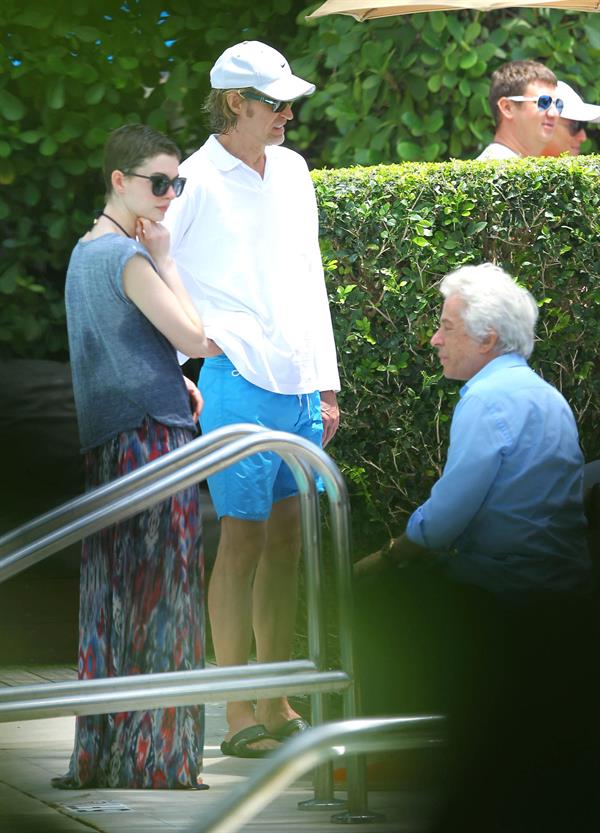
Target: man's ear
<point>234,101</point>
<point>505,107</point>
<point>489,343</point>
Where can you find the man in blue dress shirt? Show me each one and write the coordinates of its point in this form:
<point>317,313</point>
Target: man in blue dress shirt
<point>491,613</point>
<point>507,513</point>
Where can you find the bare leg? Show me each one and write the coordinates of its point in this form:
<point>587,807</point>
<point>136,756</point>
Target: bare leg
<point>230,607</point>
<point>274,601</point>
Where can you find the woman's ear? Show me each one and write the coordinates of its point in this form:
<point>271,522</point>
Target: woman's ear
<point>117,179</point>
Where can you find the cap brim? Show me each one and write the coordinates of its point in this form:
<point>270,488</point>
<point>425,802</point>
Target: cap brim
<point>581,112</point>
<point>290,88</point>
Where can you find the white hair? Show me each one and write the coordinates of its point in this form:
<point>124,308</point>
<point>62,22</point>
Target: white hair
<point>493,301</point>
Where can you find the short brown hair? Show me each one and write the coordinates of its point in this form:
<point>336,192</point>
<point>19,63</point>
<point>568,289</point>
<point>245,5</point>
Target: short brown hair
<point>221,117</point>
<point>513,78</point>
<point>130,146</point>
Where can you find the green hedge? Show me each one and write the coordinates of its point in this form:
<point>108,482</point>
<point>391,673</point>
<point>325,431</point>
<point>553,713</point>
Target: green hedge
<point>388,235</point>
<point>406,88</point>
<point>415,88</point>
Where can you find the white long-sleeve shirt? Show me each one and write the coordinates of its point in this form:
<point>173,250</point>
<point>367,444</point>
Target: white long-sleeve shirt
<point>247,249</point>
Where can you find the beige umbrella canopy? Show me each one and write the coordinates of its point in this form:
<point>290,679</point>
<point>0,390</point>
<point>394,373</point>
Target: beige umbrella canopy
<point>368,9</point>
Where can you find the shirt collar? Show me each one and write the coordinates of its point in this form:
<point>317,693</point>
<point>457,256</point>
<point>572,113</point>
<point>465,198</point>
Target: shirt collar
<point>221,158</point>
<point>499,363</point>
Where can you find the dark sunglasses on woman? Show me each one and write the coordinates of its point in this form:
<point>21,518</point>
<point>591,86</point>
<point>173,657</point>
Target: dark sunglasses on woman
<point>161,183</point>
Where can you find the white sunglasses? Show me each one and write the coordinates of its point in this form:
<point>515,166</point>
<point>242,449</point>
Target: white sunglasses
<point>544,102</point>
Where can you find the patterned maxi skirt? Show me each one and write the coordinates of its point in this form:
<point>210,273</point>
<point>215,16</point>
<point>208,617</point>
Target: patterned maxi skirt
<point>141,611</point>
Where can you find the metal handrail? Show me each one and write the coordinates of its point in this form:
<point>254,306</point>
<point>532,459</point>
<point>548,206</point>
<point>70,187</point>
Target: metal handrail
<point>128,483</point>
<point>307,750</point>
<point>159,479</point>
<point>168,679</point>
<point>190,689</point>
<point>96,514</point>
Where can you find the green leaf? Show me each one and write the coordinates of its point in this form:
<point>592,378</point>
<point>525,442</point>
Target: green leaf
<point>128,62</point>
<point>31,194</point>
<point>10,106</point>
<point>95,93</point>
<point>434,122</point>
<point>437,21</point>
<point>57,227</point>
<point>37,17</point>
<point>55,98</point>
<point>75,167</point>
<point>472,31</point>
<point>8,280</point>
<point>87,34</point>
<point>469,60</point>
<point>592,31</point>
<point>48,147</point>
<point>434,83</point>
<point>413,122</point>
<point>455,26</point>
<point>30,137</point>
<point>408,151</point>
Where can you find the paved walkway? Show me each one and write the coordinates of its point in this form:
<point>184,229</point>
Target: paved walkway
<point>31,752</point>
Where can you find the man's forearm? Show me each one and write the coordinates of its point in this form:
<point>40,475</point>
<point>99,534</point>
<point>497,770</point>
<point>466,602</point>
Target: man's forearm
<point>402,550</point>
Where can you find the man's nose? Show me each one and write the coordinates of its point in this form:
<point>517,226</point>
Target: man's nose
<point>287,112</point>
<point>436,339</point>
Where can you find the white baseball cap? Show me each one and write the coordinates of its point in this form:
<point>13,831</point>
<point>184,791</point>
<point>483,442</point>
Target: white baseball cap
<point>254,64</point>
<point>575,107</point>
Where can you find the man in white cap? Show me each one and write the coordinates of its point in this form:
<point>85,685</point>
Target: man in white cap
<point>245,238</point>
<point>570,130</point>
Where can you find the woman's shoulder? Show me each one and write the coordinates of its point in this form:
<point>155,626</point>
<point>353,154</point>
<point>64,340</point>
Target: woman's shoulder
<point>106,248</point>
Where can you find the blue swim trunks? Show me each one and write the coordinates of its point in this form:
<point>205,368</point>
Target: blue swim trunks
<point>248,489</point>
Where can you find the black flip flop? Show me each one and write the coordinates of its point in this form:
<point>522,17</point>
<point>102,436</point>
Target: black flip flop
<point>239,745</point>
<point>291,728</point>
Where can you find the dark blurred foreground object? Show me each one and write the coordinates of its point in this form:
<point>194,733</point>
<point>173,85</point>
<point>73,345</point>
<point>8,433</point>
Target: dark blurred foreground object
<point>517,683</point>
<point>591,502</point>
<point>42,466</point>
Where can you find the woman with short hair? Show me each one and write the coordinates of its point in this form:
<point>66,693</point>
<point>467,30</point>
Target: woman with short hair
<point>141,585</point>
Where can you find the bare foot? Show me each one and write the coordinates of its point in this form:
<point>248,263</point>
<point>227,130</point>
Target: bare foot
<point>241,716</point>
<point>275,713</point>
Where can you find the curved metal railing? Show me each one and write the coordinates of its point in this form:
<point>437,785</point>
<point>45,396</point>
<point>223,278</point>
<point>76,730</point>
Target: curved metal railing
<point>188,465</point>
<point>310,749</point>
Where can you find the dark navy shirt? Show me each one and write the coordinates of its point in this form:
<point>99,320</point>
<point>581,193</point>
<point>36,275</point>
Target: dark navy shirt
<point>509,504</point>
<point>123,368</point>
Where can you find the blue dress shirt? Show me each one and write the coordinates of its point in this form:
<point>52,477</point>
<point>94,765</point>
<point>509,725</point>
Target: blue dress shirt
<point>508,510</point>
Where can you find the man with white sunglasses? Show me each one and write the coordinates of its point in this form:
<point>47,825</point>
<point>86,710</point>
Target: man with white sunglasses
<point>526,109</point>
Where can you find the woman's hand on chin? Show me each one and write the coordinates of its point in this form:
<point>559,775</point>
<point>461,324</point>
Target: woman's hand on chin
<point>155,238</point>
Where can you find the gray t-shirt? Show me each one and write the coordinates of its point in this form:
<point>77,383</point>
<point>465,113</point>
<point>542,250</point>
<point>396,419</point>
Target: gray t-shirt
<point>123,368</point>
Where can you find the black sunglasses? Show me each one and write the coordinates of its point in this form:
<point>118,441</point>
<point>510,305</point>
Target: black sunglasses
<point>275,105</point>
<point>575,126</point>
<point>161,183</point>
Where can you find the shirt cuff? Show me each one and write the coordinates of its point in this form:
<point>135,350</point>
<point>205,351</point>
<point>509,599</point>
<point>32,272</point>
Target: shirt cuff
<point>414,529</point>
